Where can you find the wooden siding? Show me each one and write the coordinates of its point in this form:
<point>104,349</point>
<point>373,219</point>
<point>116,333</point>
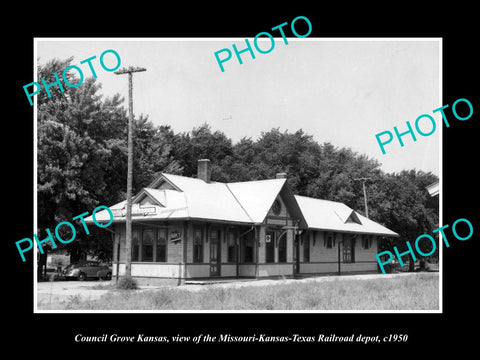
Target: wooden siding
<point>322,259</point>
<point>325,260</point>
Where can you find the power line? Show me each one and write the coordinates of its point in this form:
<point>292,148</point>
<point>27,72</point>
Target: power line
<point>363,179</point>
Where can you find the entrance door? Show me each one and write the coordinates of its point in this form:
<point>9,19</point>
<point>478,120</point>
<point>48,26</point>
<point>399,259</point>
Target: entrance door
<point>215,253</point>
<point>296,254</point>
<point>270,247</point>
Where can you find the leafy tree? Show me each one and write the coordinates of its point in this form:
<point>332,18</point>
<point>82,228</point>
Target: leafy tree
<point>202,143</point>
<point>153,153</point>
<point>402,203</point>
<point>81,143</point>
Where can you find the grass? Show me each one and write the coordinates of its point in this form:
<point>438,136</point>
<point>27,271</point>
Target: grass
<point>414,292</point>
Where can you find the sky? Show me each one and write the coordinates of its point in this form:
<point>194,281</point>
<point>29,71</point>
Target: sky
<point>342,91</point>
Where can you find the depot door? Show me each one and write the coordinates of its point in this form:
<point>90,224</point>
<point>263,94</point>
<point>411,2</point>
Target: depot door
<point>215,253</point>
<point>296,254</point>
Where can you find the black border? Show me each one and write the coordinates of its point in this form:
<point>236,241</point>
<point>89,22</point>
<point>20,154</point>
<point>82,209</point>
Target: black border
<point>431,332</point>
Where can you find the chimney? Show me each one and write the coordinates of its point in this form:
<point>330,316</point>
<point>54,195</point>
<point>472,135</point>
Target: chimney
<point>203,170</point>
<point>281,175</point>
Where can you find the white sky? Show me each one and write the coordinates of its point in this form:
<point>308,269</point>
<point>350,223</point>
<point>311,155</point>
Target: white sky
<point>342,91</point>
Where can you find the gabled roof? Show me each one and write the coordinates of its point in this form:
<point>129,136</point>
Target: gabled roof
<point>335,216</point>
<point>212,201</point>
<point>256,197</point>
<point>174,197</point>
<point>241,202</point>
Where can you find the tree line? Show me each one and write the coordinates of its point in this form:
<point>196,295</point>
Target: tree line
<point>82,152</point>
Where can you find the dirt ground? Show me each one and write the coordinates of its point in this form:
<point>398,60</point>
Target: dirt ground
<point>59,291</point>
<point>62,290</point>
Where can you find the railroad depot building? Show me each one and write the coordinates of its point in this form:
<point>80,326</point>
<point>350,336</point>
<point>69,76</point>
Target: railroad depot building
<point>194,228</point>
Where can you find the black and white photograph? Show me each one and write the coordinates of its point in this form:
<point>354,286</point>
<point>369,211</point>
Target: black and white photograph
<point>217,180</point>
<point>265,196</point>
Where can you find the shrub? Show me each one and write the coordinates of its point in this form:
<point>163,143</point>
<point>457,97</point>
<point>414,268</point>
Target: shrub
<point>127,283</point>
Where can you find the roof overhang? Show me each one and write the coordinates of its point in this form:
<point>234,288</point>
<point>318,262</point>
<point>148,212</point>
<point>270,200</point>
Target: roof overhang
<point>393,234</point>
<point>137,220</point>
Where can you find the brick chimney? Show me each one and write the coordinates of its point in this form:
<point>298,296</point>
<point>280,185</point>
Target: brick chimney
<point>203,170</point>
<point>281,175</point>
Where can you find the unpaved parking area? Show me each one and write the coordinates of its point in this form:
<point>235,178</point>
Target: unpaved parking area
<point>420,291</point>
<point>64,291</point>
<point>55,291</point>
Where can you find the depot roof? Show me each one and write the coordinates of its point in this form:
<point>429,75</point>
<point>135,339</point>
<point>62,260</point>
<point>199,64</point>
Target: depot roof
<point>174,197</point>
<point>179,197</point>
<point>335,216</point>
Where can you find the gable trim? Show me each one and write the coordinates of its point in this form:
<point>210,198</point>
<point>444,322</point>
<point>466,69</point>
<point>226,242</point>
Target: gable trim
<point>155,183</point>
<point>287,195</point>
<point>354,217</point>
<point>144,193</point>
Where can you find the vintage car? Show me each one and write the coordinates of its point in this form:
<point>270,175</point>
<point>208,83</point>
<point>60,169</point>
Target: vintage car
<point>87,269</point>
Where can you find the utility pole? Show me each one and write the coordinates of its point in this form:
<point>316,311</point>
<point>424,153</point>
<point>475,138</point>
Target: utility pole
<point>363,179</point>
<point>128,240</point>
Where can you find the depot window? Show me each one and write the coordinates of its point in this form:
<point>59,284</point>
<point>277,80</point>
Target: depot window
<point>366,242</point>
<point>306,246</point>
<point>329,240</point>
<point>247,247</point>
<point>231,247</point>
<point>349,250</point>
<point>135,246</point>
<point>149,245</point>
<point>197,245</point>
<point>161,245</point>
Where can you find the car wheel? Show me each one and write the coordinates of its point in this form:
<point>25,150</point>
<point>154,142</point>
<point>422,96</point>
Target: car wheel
<point>82,276</point>
<point>108,276</point>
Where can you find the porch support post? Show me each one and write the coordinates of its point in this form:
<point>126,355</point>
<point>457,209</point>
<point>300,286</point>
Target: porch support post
<point>186,233</point>
<point>339,266</point>
<point>257,245</point>
<point>224,246</point>
<point>237,252</point>
<point>117,245</point>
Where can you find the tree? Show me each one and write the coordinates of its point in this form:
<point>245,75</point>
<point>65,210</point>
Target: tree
<point>202,143</point>
<point>402,203</point>
<point>153,153</point>
<point>81,143</point>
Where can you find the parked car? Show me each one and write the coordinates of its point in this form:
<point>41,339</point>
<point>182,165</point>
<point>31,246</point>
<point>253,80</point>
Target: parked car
<point>87,269</point>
